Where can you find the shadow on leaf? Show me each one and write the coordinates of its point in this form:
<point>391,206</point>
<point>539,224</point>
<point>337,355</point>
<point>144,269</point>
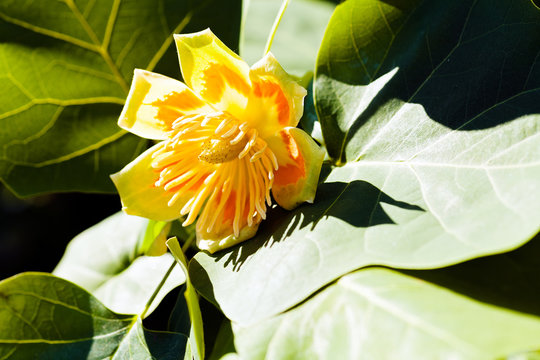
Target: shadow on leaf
<point>334,199</point>
<point>471,65</point>
<point>508,280</point>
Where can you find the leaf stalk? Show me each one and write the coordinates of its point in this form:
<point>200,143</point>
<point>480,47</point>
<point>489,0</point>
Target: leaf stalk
<point>275,26</point>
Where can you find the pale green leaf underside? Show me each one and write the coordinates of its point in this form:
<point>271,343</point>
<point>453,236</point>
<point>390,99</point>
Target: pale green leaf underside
<point>381,314</point>
<point>418,191</point>
<point>65,69</point>
<point>297,39</point>
<point>45,315</point>
<point>103,260</point>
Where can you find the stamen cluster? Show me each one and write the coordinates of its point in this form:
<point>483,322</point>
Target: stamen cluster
<point>215,163</point>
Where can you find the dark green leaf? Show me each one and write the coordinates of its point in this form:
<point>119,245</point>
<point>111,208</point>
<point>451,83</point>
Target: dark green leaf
<point>140,343</point>
<point>224,343</point>
<point>179,319</point>
<point>45,317</point>
<point>196,336</point>
<point>65,69</point>
<point>309,121</point>
<point>381,314</point>
<point>104,260</point>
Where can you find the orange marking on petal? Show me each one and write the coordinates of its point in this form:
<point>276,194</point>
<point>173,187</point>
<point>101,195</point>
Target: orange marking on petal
<point>216,77</point>
<point>228,215</point>
<point>198,183</point>
<point>269,89</point>
<point>230,210</point>
<point>290,173</point>
<point>175,104</point>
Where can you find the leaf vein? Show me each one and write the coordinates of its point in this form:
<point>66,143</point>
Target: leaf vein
<point>110,24</point>
<point>168,40</point>
<point>61,303</point>
<point>73,154</point>
<point>372,297</point>
<point>51,33</point>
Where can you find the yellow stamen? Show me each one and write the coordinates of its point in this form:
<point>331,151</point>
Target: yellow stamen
<point>258,154</point>
<point>222,126</point>
<point>238,137</point>
<point>230,132</point>
<point>210,158</point>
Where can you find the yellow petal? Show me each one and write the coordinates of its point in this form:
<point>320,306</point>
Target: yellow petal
<point>154,102</point>
<point>300,160</point>
<point>214,242</point>
<point>276,101</point>
<point>213,71</point>
<point>136,186</point>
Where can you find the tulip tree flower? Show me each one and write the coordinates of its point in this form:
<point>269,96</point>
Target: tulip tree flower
<point>228,138</point>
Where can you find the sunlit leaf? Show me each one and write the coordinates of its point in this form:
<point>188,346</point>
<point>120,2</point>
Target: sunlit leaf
<point>380,314</point>
<point>105,261</point>
<point>65,69</point>
<point>45,315</point>
<point>298,37</point>
<point>431,109</point>
<point>153,242</point>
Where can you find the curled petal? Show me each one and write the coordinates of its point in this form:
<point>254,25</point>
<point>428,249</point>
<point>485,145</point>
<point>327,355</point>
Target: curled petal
<point>214,242</point>
<point>215,72</point>
<point>300,160</point>
<point>140,196</point>
<point>276,100</point>
<point>155,102</point>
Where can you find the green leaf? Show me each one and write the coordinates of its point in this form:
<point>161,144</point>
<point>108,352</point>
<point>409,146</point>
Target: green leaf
<point>179,320</point>
<point>224,343</point>
<point>196,336</point>
<point>413,81</point>
<point>54,319</point>
<point>65,71</point>
<point>104,260</point>
<point>505,280</point>
<point>298,37</point>
<point>309,121</point>
<point>140,343</point>
<point>153,241</point>
<point>532,355</point>
<point>449,176</point>
<point>380,314</point>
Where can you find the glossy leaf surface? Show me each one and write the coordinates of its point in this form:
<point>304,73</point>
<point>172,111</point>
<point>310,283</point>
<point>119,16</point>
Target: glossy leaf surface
<point>65,70</point>
<point>430,108</point>
<point>45,315</point>
<point>381,314</point>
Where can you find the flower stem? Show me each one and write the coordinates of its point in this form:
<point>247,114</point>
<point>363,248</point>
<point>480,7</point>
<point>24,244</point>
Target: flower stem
<point>158,288</point>
<point>275,26</point>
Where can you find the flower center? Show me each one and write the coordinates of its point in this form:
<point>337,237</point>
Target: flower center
<point>220,169</point>
<point>216,150</point>
<point>231,141</point>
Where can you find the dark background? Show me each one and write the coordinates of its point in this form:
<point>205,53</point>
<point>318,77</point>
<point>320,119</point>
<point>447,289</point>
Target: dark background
<point>35,231</point>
